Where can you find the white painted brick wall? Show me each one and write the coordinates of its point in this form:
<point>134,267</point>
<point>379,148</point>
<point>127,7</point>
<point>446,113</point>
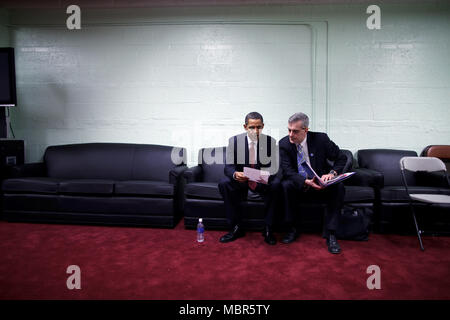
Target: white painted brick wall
<point>390,88</point>
<point>188,78</point>
<point>175,86</point>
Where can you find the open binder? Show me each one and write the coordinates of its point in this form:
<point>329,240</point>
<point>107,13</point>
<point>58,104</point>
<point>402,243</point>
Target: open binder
<point>311,173</point>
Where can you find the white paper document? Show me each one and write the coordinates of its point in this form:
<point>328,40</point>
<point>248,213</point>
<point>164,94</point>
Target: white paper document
<point>256,175</point>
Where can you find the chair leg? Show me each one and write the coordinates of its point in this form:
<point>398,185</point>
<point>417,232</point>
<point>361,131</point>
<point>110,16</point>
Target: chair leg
<point>417,228</point>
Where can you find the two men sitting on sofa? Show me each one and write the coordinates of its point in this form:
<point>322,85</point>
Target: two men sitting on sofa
<point>299,148</point>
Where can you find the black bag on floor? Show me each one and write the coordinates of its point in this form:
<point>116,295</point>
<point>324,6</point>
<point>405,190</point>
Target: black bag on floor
<point>354,223</point>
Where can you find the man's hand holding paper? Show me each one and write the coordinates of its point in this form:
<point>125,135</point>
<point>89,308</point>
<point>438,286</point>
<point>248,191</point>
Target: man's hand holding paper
<point>259,176</point>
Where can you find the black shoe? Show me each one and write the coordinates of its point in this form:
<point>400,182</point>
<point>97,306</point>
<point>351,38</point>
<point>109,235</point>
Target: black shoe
<point>237,232</point>
<point>333,245</point>
<point>268,236</point>
<point>290,236</point>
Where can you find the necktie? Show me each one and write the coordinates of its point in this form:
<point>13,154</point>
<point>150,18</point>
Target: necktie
<point>300,160</point>
<point>252,184</point>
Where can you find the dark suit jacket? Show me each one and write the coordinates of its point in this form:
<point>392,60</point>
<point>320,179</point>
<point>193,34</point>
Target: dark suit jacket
<point>320,149</point>
<point>238,155</point>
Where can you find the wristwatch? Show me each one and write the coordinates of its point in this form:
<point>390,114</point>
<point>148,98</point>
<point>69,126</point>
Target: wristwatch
<point>334,173</point>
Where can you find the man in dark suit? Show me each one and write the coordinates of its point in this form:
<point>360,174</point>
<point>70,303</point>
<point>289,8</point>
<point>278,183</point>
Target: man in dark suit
<point>315,148</point>
<point>254,150</point>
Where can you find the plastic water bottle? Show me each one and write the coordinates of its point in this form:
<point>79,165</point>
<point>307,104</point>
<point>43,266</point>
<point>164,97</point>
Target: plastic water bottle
<point>200,231</point>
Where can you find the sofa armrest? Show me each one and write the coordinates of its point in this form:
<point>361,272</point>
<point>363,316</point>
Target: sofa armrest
<point>193,174</point>
<point>366,178</point>
<point>176,174</point>
<point>36,169</point>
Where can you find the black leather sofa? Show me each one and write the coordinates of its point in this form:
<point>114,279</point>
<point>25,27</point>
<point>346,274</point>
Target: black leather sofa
<point>203,200</point>
<point>392,213</point>
<point>99,183</point>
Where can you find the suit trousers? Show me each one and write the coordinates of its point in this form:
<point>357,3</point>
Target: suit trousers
<point>234,192</point>
<point>332,196</point>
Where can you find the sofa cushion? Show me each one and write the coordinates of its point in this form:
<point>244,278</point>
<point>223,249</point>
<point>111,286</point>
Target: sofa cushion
<point>212,161</point>
<point>205,190</point>
<point>398,193</point>
<point>117,161</point>
<point>33,185</point>
<point>210,190</point>
<point>91,186</point>
<point>213,172</point>
<point>154,162</point>
<point>386,161</point>
<point>27,201</point>
<point>140,187</point>
<point>90,161</point>
<point>75,204</point>
<point>358,194</point>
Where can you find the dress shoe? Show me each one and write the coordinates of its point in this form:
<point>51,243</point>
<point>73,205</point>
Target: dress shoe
<point>237,232</point>
<point>290,236</point>
<point>333,245</point>
<point>268,236</point>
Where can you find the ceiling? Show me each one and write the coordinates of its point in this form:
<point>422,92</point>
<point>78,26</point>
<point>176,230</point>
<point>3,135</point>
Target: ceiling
<point>17,4</point>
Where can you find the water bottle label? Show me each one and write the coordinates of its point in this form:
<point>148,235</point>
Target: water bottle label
<point>200,230</point>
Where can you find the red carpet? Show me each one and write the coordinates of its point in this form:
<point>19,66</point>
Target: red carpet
<point>144,263</point>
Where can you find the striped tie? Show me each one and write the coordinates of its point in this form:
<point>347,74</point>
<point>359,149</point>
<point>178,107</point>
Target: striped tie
<point>300,160</point>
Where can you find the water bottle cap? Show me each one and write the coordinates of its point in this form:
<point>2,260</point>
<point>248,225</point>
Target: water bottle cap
<point>200,220</point>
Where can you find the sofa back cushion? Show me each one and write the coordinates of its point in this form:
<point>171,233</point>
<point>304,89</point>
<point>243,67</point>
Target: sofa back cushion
<point>386,161</point>
<point>212,161</point>
<point>153,162</point>
<point>116,161</point>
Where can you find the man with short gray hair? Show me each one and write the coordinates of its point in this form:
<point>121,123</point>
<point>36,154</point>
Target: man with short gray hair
<point>299,148</point>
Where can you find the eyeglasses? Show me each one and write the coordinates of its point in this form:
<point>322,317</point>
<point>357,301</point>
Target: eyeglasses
<point>295,131</point>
